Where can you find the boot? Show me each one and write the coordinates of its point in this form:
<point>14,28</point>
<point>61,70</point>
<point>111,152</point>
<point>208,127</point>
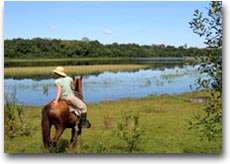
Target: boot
<point>83,122</point>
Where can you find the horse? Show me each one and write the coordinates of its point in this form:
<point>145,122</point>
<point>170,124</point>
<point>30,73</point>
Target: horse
<point>60,117</point>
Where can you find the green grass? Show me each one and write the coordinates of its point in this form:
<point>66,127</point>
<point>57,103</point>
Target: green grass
<point>163,126</point>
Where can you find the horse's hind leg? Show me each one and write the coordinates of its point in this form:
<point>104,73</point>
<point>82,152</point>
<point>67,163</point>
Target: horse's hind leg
<point>59,131</point>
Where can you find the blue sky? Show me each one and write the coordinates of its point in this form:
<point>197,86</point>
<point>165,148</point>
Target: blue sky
<point>143,23</point>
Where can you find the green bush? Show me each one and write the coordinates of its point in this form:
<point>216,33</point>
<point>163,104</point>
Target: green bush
<point>14,120</point>
<point>129,131</point>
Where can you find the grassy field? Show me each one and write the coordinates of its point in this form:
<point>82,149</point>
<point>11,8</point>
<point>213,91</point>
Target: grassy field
<point>23,72</point>
<point>147,125</point>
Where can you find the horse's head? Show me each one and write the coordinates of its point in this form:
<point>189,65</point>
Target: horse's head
<point>78,86</point>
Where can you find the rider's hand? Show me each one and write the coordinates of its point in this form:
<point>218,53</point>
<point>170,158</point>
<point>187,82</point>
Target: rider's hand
<point>55,103</point>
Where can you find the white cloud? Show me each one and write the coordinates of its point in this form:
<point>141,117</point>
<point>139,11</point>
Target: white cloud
<point>52,27</point>
<point>108,31</point>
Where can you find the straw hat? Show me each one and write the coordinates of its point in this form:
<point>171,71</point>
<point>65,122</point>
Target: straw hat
<point>60,71</point>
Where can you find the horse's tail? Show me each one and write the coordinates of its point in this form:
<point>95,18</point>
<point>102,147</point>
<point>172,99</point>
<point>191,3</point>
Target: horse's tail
<point>46,125</point>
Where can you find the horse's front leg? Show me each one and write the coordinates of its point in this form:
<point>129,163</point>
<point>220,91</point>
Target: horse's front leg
<point>72,134</point>
<point>73,140</point>
<point>79,129</point>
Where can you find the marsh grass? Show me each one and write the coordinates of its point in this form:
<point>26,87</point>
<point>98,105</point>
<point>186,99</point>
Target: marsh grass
<point>46,72</point>
<point>163,120</point>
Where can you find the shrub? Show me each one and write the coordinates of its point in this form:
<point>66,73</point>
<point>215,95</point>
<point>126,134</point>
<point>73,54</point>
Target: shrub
<point>12,113</point>
<point>129,131</point>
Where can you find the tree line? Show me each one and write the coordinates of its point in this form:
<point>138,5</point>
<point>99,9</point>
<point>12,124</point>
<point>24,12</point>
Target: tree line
<point>56,48</point>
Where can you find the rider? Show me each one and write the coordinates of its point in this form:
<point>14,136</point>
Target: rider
<point>65,88</point>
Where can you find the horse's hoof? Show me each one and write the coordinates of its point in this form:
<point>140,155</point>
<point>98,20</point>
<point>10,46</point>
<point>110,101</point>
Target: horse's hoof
<point>52,143</point>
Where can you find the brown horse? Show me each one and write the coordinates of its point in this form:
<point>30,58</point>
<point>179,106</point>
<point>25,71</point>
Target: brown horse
<point>60,117</point>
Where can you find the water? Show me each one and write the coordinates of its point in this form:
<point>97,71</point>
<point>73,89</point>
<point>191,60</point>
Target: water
<point>109,86</point>
<point>199,99</point>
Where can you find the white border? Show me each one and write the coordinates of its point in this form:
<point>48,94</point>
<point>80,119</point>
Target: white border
<point>147,158</point>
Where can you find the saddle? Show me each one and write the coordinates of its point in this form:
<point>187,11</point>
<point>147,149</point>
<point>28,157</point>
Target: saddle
<point>73,109</point>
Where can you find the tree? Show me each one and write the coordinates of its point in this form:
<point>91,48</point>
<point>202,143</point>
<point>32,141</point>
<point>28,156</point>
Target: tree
<point>54,48</point>
<point>210,27</point>
<point>85,39</point>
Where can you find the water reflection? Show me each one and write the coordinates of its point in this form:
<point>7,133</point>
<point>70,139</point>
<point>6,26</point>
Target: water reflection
<point>158,62</point>
<point>110,86</point>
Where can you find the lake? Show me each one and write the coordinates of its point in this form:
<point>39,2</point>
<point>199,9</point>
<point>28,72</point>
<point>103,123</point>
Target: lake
<point>174,79</point>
